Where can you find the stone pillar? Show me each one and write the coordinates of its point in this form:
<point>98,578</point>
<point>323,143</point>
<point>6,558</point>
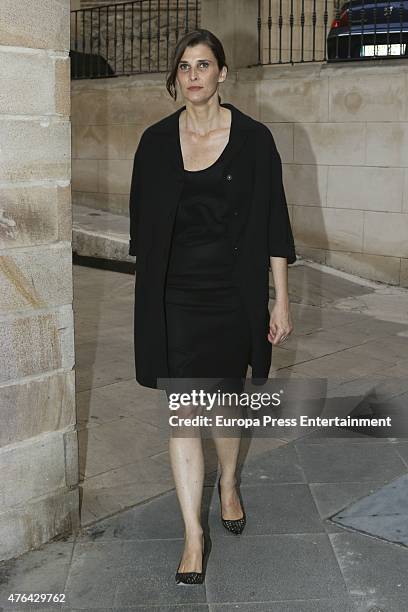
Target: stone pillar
<point>235,24</point>
<point>38,441</point>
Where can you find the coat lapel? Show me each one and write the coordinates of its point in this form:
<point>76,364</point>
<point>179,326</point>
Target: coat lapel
<point>238,137</point>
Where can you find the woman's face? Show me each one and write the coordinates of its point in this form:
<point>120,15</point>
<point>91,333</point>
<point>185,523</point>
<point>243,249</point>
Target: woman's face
<point>198,68</point>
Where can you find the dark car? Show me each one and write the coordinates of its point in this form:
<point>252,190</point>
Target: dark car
<point>369,29</point>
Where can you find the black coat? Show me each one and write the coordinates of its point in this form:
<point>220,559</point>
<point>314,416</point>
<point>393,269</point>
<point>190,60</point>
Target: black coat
<point>259,228</point>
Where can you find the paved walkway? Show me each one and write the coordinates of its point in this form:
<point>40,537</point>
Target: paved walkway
<point>291,557</point>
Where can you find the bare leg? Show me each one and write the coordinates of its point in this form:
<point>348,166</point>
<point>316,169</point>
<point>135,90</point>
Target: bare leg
<point>187,463</point>
<point>227,451</point>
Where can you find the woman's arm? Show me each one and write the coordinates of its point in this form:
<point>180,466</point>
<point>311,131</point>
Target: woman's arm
<point>280,323</point>
<point>281,250</point>
<point>134,196</point>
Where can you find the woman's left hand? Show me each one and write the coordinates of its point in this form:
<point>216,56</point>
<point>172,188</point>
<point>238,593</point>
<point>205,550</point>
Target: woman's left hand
<point>280,323</point>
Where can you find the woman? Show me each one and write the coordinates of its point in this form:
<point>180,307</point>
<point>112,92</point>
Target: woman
<point>207,211</point>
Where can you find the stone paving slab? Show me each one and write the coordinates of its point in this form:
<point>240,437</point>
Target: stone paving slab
<point>126,573</point>
<point>384,513</point>
<point>278,465</point>
<point>274,509</point>
<point>401,448</point>
<point>121,488</point>
<point>111,445</point>
<point>374,571</point>
<point>159,518</point>
<point>44,570</point>
<point>321,289</point>
<point>350,462</point>
<point>378,604</point>
<point>331,498</point>
<point>277,567</point>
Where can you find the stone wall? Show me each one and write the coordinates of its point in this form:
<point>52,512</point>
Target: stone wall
<point>343,136</point>
<point>342,133</point>
<point>38,441</point>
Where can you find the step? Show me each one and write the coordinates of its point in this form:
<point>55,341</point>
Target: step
<point>100,234</point>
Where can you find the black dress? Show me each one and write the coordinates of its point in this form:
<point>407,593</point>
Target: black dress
<point>208,335</point>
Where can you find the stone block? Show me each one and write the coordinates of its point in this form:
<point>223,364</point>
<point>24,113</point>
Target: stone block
<point>32,469</point>
<point>386,233</point>
<point>30,408</point>
<point>36,279</point>
<point>36,344</point>
<point>237,87</point>
<point>305,184</point>
<point>64,211</point>
<point>114,175</point>
<point>85,175</point>
<point>283,136</point>
<point>380,268</point>
<point>314,254</point>
<point>405,192</point>
<point>71,458</point>
<point>34,214</point>
<point>371,97</point>
<point>35,150</point>
<point>300,100</point>
<point>365,188</point>
<point>88,106</point>
<point>39,25</point>
<point>329,228</point>
<point>99,141</point>
<point>404,272</point>
<point>30,525</point>
<point>34,83</point>
<point>233,22</point>
<point>330,143</point>
<point>116,203</point>
<point>387,144</point>
<point>133,133</point>
<point>141,105</point>
<point>131,100</point>
<point>63,86</point>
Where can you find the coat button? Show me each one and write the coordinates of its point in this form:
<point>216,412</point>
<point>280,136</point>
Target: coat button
<point>229,177</point>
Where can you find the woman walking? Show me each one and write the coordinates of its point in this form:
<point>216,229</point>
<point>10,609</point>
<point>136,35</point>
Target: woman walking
<point>208,215</point>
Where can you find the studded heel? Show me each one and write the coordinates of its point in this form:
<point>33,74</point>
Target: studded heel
<point>235,526</point>
<point>189,578</point>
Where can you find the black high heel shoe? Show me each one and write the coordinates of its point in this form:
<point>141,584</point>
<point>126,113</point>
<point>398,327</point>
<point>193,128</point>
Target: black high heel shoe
<point>235,526</point>
<point>195,577</point>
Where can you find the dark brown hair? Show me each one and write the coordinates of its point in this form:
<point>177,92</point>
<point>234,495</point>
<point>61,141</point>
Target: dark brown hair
<point>190,40</point>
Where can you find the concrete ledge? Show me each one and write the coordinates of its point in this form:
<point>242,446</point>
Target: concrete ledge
<point>97,233</point>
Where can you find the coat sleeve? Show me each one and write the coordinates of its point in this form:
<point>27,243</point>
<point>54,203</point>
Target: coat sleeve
<point>135,196</point>
<point>281,243</point>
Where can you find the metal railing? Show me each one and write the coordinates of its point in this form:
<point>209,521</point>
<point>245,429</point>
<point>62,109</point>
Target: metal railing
<point>298,31</point>
<point>128,37</point>
<point>137,36</point>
